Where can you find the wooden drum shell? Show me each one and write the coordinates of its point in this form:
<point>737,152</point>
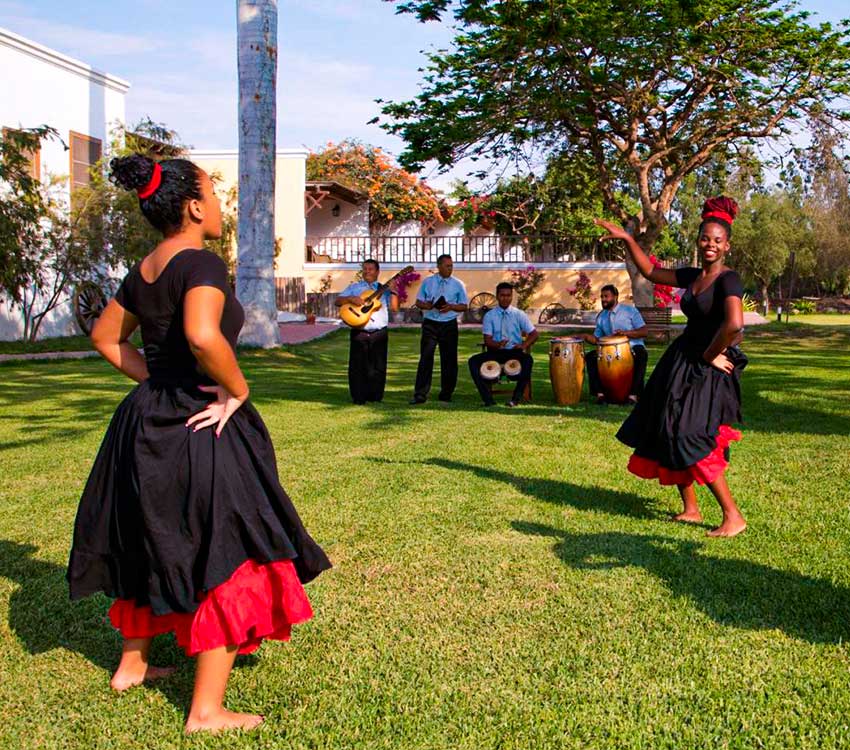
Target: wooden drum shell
<point>566,369</point>
<point>616,367</point>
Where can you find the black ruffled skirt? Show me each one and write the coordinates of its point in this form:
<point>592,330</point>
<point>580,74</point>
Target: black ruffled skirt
<point>169,514</point>
<point>681,428</point>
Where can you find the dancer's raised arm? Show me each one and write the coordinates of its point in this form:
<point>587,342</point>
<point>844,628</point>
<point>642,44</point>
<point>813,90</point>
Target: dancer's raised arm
<point>641,259</point>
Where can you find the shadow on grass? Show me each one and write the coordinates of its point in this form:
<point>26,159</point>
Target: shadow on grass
<point>799,363</point>
<point>555,491</point>
<point>43,618</point>
<point>737,593</point>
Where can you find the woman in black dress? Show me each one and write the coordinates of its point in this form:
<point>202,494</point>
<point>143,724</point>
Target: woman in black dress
<point>183,520</point>
<point>682,426</point>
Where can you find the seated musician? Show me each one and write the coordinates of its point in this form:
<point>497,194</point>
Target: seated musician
<point>508,334</point>
<point>617,320</point>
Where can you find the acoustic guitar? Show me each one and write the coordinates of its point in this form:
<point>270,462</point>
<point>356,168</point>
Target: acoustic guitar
<point>359,315</point>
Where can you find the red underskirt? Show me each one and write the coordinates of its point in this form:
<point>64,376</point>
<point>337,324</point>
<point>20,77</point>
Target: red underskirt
<point>256,602</point>
<point>704,471</point>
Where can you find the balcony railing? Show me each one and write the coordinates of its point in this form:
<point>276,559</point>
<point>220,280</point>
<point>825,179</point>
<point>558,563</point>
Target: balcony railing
<point>463,249</point>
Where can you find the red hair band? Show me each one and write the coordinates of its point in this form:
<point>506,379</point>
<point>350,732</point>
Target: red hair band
<point>156,179</point>
<point>718,215</point>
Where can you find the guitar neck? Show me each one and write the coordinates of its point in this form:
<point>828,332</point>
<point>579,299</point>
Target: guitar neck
<point>383,287</point>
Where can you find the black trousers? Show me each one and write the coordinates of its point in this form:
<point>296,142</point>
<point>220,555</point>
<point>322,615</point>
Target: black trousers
<point>501,356</point>
<point>367,365</point>
<point>444,335</point>
<point>595,385</point>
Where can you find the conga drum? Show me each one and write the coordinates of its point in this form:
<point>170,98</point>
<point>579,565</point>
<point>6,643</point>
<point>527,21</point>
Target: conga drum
<point>512,368</point>
<point>616,367</point>
<point>490,370</point>
<point>566,369</point>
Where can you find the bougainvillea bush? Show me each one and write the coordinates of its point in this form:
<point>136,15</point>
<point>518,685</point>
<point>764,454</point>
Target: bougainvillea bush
<point>583,292</point>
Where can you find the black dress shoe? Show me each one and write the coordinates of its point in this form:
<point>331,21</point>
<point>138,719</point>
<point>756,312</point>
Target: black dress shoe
<point>416,401</point>
<point>446,399</point>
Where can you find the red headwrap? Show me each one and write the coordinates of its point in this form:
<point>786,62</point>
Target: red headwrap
<point>720,208</point>
<point>153,185</point>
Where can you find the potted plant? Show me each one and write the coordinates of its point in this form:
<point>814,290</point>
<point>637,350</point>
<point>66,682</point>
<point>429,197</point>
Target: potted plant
<point>310,310</point>
<point>402,284</point>
<point>314,299</point>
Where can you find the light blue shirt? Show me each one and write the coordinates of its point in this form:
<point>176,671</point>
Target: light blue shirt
<point>621,318</point>
<point>380,318</point>
<point>435,287</point>
<point>507,323</point>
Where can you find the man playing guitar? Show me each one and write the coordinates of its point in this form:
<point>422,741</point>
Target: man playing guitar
<point>369,345</point>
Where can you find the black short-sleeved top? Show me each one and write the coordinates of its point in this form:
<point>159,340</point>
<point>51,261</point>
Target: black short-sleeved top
<point>706,311</point>
<point>159,307</point>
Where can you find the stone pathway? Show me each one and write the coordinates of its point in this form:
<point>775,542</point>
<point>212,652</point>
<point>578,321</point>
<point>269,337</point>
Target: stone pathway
<point>298,333</point>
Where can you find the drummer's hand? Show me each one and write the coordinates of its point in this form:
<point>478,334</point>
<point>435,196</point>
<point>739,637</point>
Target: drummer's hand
<point>445,308</point>
<point>425,305</point>
<point>218,411</point>
<point>620,332</point>
<point>723,363</point>
<point>502,344</point>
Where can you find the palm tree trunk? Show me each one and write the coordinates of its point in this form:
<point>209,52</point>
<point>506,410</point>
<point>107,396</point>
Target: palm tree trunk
<point>257,56</point>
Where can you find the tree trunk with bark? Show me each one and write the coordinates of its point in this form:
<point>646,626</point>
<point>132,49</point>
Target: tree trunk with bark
<point>257,58</point>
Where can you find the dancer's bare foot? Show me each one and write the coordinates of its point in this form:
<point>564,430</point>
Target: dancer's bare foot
<point>730,527</point>
<point>221,721</point>
<point>688,517</point>
<point>126,677</point>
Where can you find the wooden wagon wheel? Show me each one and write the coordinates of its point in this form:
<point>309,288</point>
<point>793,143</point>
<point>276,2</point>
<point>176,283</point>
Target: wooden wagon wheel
<point>479,305</point>
<point>554,312</point>
<point>89,301</point>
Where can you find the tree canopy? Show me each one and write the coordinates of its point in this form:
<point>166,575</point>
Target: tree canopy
<point>650,91</point>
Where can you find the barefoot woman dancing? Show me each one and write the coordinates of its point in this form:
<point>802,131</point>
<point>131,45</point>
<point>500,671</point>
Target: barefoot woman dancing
<point>681,429</point>
<point>183,519</point>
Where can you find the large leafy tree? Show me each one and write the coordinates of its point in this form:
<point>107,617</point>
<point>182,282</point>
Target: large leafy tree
<point>41,254</point>
<point>23,206</point>
<point>651,90</point>
<point>827,202</point>
<point>768,229</point>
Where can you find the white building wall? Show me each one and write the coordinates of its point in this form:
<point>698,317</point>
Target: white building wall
<point>290,225</point>
<point>39,86</point>
<point>353,220</point>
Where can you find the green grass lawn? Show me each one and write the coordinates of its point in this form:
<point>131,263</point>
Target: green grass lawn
<point>53,344</point>
<point>821,319</point>
<point>500,581</point>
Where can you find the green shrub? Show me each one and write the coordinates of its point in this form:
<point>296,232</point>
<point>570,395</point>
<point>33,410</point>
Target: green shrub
<point>803,306</point>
